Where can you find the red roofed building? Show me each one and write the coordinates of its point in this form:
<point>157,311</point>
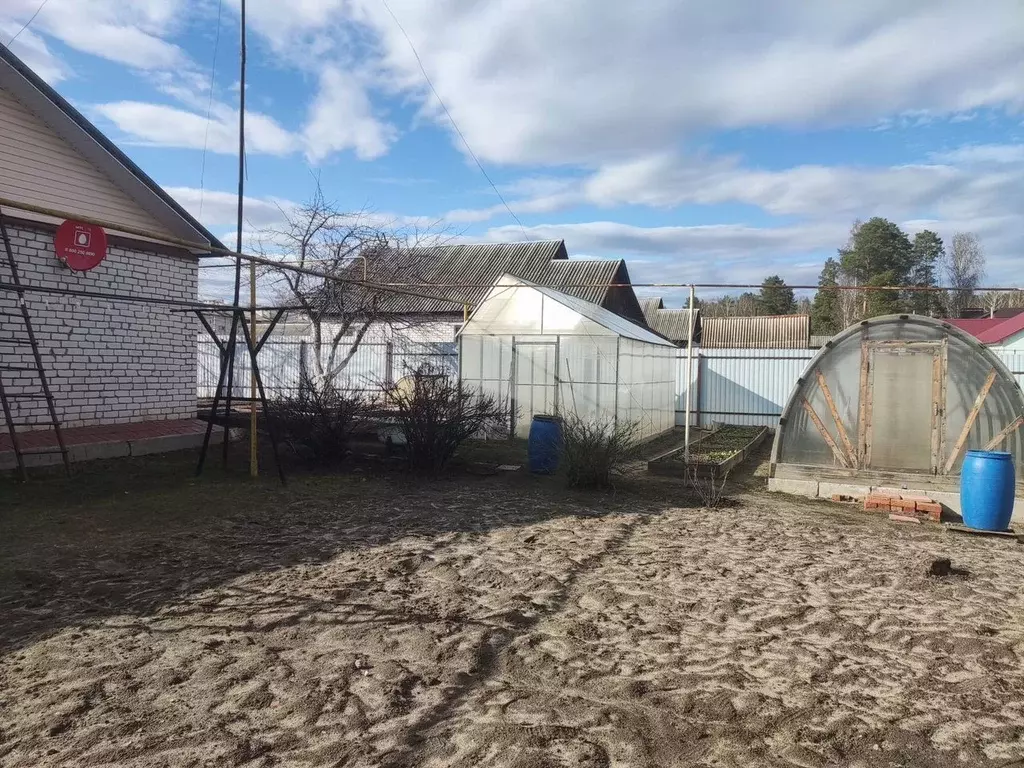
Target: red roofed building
<point>1002,332</point>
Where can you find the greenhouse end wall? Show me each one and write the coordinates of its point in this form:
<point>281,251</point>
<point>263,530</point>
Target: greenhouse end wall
<point>541,354</point>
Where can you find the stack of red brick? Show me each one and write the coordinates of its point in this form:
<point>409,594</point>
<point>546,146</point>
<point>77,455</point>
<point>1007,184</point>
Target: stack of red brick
<point>910,506</point>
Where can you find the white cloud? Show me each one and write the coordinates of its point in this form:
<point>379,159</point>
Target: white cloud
<point>583,82</point>
<point>32,49</point>
<point>342,118</point>
<point>217,209</point>
<point>130,32</point>
<point>996,154</point>
<point>167,126</point>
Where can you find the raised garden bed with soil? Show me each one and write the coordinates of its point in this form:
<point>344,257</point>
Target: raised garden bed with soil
<point>715,453</point>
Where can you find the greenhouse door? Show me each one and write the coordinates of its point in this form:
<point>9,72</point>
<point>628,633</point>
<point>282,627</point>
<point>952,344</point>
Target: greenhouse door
<point>536,382</point>
<point>902,432</point>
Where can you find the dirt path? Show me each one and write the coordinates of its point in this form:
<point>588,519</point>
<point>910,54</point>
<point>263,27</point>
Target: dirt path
<point>769,634</point>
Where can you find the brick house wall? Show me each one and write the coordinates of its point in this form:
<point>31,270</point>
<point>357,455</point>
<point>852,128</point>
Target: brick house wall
<point>106,362</point>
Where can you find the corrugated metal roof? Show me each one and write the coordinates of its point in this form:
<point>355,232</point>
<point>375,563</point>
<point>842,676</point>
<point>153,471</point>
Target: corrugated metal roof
<point>464,274</point>
<point>768,332</point>
<point>650,308</point>
<point>674,324</point>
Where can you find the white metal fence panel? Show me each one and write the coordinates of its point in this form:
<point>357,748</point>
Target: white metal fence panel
<point>739,386</point>
<point>1014,361</point>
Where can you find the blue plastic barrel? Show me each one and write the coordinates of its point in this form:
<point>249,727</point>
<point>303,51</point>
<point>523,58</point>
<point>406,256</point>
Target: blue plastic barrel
<point>986,490</point>
<point>545,445</point>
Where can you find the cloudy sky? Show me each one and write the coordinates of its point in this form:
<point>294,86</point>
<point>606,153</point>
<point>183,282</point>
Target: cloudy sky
<point>706,141</point>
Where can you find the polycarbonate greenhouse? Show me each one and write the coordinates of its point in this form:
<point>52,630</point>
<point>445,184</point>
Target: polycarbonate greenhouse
<point>894,401</point>
<point>545,352</point>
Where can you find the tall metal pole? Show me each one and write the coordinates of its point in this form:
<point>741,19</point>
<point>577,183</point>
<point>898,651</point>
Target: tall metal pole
<point>689,376</point>
<point>253,453</point>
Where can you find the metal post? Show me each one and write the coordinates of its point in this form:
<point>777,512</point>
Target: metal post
<point>689,377</point>
<point>253,450</point>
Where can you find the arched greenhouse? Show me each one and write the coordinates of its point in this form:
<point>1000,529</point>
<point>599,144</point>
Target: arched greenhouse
<point>896,402</point>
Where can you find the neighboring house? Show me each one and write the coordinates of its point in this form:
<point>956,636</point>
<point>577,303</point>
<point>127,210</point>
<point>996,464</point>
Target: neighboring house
<point>106,362</point>
<point>455,279</point>
<point>1001,333</point>
<point>763,332</point>
<point>673,324</point>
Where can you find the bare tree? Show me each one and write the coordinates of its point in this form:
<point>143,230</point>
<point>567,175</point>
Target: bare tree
<point>964,266</point>
<point>357,248</point>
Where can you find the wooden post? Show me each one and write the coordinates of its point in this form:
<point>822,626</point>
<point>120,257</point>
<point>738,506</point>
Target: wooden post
<point>824,433</point>
<point>962,440</point>
<point>1006,432</point>
<point>864,405</point>
<point>850,453</point>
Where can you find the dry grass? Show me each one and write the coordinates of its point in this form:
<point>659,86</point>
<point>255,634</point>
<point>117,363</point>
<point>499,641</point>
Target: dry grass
<point>356,620</point>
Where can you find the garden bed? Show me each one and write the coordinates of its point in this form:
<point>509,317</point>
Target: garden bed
<point>715,453</point>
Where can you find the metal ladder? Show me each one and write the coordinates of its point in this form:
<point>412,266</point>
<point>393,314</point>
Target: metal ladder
<point>6,397</point>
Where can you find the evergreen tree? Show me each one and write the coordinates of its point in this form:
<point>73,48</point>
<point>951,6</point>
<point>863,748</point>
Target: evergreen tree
<point>926,254</point>
<point>825,309</point>
<point>879,253</point>
<point>776,297</point>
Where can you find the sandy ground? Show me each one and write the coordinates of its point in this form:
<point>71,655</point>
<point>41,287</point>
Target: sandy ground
<point>491,624</point>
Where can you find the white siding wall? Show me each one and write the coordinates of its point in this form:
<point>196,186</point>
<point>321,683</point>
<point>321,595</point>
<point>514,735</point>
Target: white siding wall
<point>105,362</point>
<point>40,168</point>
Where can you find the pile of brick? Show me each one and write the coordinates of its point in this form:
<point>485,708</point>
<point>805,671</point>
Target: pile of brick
<point>917,507</point>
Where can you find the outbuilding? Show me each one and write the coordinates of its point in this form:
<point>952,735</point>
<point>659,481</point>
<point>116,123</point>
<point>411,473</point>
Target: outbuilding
<point>546,352</point>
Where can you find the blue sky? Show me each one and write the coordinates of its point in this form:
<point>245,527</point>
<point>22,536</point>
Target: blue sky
<point>712,142</point>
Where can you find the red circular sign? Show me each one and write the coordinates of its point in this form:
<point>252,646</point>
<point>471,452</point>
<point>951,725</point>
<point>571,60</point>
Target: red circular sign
<point>80,246</point>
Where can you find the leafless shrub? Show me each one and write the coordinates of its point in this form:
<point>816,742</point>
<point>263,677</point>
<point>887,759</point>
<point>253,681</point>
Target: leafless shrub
<point>593,450</point>
<point>707,483</point>
<point>319,422</point>
<point>437,413</point>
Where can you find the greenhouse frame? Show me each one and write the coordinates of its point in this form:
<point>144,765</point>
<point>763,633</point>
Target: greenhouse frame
<point>544,352</point>
<point>896,402</point>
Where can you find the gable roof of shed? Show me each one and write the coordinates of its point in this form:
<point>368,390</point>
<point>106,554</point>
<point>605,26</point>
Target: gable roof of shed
<point>50,107</point>
<point>455,275</point>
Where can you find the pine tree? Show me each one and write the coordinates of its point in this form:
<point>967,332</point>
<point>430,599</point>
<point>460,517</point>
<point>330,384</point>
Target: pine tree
<point>825,309</point>
<point>776,297</point>
<point>926,254</point>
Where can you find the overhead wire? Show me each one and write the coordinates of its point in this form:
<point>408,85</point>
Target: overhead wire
<point>27,23</point>
<point>451,118</point>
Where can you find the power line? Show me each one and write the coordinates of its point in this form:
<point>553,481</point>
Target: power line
<point>209,111</point>
<point>27,23</point>
<point>451,119</point>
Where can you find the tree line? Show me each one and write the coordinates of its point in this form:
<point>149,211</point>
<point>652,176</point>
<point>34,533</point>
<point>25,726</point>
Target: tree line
<point>878,253</point>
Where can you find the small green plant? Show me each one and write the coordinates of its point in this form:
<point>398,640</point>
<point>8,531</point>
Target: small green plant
<point>594,450</point>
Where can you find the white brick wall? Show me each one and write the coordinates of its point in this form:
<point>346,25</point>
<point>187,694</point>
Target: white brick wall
<point>106,362</point>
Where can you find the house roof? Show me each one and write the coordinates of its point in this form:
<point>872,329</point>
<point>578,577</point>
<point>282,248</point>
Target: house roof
<point>765,332</point>
<point>990,330</point>
<point>36,95</point>
<point>673,324</point>
<point>457,275</point>
<point>598,314</point>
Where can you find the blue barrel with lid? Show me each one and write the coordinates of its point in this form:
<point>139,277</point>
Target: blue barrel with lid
<point>545,445</point>
<point>987,489</point>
